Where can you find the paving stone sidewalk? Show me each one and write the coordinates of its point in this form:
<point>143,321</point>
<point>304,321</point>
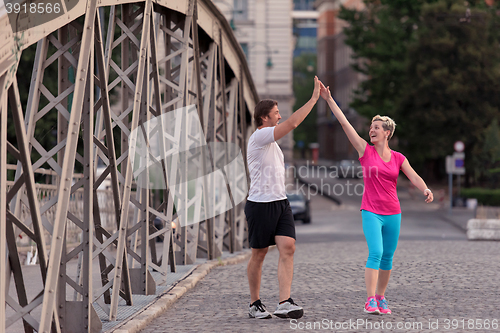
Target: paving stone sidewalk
<point>432,281</point>
<point>438,284</point>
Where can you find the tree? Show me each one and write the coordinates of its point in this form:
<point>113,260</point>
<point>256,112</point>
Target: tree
<point>304,70</point>
<point>489,170</point>
<point>434,67</point>
<point>452,87</point>
<point>379,37</point>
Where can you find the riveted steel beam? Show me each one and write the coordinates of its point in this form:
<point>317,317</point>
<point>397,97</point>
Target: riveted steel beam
<point>150,59</point>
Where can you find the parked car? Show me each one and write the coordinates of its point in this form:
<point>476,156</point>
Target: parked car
<point>350,169</point>
<point>159,224</point>
<point>300,207</point>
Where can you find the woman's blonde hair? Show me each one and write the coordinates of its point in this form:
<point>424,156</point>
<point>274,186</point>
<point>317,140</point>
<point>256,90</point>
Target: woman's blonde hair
<point>387,124</point>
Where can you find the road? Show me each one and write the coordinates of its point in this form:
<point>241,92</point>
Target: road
<point>440,282</point>
<point>331,222</point>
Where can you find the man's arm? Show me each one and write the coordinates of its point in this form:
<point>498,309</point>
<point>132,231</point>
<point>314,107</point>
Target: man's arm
<point>298,116</point>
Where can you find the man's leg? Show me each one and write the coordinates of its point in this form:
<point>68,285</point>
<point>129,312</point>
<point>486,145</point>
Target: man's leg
<point>287,307</point>
<point>254,272</point>
<point>286,247</point>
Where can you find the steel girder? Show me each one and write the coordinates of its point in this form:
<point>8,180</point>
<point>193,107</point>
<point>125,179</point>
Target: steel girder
<point>118,68</point>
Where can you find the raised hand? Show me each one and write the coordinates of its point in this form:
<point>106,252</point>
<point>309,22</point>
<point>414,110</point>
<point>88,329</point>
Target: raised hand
<point>325,91</point>
<point>317,88</point>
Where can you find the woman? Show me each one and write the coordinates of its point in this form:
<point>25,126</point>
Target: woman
<point>380,208</point>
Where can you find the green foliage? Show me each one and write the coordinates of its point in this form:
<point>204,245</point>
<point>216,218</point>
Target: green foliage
<point>484,196</point>
<point>452,84</point>
<point>379,38</point>
<point>304,70</point>
<point>489,170</point>
<point>438,77</point>
<point>492,142</point>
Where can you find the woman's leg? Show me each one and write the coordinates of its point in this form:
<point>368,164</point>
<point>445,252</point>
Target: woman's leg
<point>390,234</point>
<point>383,281</point>
<point>372,228</point>
<point>371,278</point>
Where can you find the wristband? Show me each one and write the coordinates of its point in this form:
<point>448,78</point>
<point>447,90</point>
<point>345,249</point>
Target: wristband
<point>427,190</point>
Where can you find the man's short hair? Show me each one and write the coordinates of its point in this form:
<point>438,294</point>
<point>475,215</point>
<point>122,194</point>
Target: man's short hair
<point>262,109</point>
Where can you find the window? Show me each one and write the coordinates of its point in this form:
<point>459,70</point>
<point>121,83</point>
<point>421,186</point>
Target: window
<point>240,10</point>
<point>305,42</point>
<point>303,4</point>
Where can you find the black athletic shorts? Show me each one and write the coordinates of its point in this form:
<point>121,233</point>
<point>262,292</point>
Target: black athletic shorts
<point>268,219</point>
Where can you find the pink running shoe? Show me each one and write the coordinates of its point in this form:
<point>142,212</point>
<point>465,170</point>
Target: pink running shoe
<point>383,307</point>
<point>371,306</point>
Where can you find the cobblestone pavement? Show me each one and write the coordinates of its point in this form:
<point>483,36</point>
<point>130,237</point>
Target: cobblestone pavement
<point>437,285</point>
<point>432,281</point>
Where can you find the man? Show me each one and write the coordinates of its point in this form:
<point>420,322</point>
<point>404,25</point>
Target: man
<point>268,212</point>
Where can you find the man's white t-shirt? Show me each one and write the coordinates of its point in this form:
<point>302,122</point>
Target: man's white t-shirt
<point>266,164</point>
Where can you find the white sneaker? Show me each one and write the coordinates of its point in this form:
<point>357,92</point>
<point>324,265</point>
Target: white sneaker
<point>258,310</point>
<point>289,309</point>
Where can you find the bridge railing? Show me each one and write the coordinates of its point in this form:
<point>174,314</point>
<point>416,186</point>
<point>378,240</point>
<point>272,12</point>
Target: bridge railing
<point>102,72</point>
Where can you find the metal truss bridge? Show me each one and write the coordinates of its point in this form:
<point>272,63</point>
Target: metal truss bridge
<point>120,64</point>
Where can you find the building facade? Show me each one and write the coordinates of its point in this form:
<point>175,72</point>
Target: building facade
<point>304,27</point>
<point>264,30</point>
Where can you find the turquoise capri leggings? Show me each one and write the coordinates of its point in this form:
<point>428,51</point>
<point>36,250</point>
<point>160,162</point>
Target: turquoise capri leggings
<point>382,234</point>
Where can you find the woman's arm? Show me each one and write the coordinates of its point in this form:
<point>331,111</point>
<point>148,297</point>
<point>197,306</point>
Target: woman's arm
<point>358,142</point>
<point>416,180</point>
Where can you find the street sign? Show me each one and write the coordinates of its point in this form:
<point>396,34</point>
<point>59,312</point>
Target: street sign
<point>455,164</point>
<point>459,146</point>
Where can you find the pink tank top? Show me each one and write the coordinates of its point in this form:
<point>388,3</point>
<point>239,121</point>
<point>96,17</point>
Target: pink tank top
<point>380,194</point>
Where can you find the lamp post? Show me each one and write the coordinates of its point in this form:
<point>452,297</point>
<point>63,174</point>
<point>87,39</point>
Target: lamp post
<point>231,22</point>
<point>269,62</point>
